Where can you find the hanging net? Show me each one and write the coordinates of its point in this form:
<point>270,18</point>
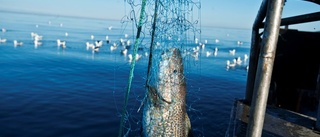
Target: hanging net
<point>160,25</point>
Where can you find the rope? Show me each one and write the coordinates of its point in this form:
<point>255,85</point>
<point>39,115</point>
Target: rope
<point>152,38</point>
<point>132,66</point>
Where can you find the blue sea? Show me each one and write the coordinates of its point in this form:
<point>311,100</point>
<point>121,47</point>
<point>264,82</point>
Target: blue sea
<point>49,91</point>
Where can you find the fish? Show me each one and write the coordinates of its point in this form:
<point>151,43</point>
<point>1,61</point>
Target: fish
<point>164,109</point>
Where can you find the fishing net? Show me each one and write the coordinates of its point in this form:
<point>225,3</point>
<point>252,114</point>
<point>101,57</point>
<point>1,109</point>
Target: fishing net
<point>159,26</point>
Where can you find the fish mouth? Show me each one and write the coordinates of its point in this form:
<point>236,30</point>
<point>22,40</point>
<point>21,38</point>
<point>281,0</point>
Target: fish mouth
<point>156,96</point>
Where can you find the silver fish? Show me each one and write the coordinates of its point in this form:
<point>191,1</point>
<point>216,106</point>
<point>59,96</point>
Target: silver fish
<point>164,111</point>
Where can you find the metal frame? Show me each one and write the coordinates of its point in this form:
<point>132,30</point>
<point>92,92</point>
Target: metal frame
<point>262,55</point>
<point>264,66</point>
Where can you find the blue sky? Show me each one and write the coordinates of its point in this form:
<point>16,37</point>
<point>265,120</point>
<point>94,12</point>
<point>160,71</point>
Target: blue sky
<point>218,13</point>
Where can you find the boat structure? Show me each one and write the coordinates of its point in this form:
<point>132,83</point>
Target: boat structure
<point>283,83</point>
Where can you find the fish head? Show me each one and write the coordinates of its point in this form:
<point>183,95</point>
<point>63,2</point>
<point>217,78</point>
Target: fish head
<point>171,83</point>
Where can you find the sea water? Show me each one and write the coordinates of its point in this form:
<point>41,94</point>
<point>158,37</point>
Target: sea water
<point>50,91</point>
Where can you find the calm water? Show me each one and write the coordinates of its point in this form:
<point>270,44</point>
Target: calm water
<point>54,92</point>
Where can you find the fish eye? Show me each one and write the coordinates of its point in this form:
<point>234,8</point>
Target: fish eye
<point>174,71</point>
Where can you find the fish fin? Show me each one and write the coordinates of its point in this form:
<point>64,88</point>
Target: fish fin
<point>188,126</point>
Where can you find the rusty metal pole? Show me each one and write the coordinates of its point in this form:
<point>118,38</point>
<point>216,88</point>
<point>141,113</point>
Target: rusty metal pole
<point>264,68</point>
<point>254,50</point>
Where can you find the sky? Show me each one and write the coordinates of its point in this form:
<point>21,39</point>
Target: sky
<point>217,13</point>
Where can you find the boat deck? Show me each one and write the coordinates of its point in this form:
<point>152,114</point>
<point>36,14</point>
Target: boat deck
<point>278,122</point>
